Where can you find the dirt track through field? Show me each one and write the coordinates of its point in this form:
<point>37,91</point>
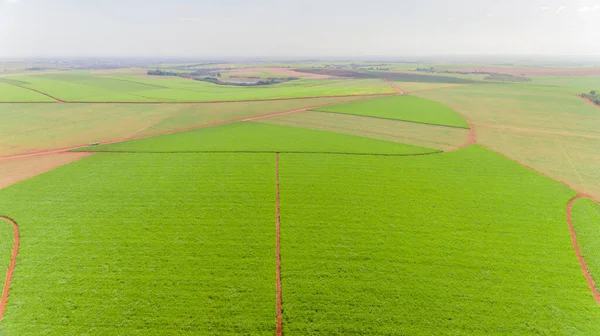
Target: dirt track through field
<point>11,267</point>
<point>394,86</point>
<point>584,268</point>
<point>278,250</point>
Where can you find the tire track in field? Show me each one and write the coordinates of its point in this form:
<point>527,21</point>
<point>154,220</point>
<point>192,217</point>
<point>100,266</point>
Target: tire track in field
<point>11,267</point>
<point>278,250</point>
<point>584,268</point>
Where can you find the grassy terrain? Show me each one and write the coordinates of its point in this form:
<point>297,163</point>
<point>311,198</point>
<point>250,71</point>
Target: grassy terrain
<point>30,127</point>
<point>407,108</point>
<point>544,127</point>
<point>10,93</point>
<point>461,243</point>
<point>6,246</point>
<point>586,221</point>
<point>145,244</point>
<point>409,87</point>
<point>258,137</point>
<point>80,86</point>
<point>430,136</point>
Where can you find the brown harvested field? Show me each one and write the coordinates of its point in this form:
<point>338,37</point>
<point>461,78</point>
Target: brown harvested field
<point>553,132</point>
<point>533,71</point>
<point>438,137</point>
<point>283,72</point>
<point>17,170</point>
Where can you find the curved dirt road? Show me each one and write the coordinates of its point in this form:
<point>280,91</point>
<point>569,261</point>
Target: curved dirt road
<point>11,267</point>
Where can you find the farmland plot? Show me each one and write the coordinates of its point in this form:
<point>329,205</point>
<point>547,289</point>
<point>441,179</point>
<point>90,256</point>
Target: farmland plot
<point>258,137</point>
<point>11,93</point>
<point>145,244</point>
<point>407,108</point>
<point>458,243</point>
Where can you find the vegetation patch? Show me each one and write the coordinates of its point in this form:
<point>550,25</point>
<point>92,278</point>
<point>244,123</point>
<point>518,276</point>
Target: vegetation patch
<point>404,107</point>
<point>592,96</point>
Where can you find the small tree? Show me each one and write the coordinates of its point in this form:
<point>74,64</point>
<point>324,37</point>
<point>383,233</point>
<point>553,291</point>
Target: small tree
<point>593,92</point>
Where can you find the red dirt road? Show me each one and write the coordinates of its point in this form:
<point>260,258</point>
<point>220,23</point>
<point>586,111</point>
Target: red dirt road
<point>584,268</point>
<point>11,267</point>
<point>394,86</point>
<point>278,251</point>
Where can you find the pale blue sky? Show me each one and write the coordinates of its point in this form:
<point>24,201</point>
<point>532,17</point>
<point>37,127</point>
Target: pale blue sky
<point>255,28</point>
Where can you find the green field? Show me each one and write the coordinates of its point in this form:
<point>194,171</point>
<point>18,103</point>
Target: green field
<point>10,93</point>
<point>407,108</point>
<point>586,221</point>
<point>461,243</point>
<point>6,246</point>
<point>80,86</point>
<point>145,244</point>
<point>258,137</point>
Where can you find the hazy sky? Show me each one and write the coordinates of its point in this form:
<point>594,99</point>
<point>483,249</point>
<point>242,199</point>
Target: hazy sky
<point>254,28</point>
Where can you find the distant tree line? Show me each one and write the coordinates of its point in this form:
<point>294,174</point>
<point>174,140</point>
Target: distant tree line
<point>159,72</point>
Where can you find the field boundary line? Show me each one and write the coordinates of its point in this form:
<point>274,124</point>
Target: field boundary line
<point>11,267</point>
<point>278,250</point>
<point>584,268</point>
<point>386,118</point>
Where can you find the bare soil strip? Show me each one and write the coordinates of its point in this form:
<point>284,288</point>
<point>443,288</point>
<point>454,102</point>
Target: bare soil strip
<point>14,171</point>
<point>584,268</point>
<point>278,250</point>
<point>394,86</point>
<point>472,139</point>
<point>11,267</point>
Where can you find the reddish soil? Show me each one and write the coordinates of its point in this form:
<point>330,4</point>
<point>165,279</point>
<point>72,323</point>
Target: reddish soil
<point>472,139</point>
<point>584,268</point>
<point>394,86</point>
<point>278,251</point>
<point>11,267</point>
<point>17,170</point>
<point>534,71</point>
